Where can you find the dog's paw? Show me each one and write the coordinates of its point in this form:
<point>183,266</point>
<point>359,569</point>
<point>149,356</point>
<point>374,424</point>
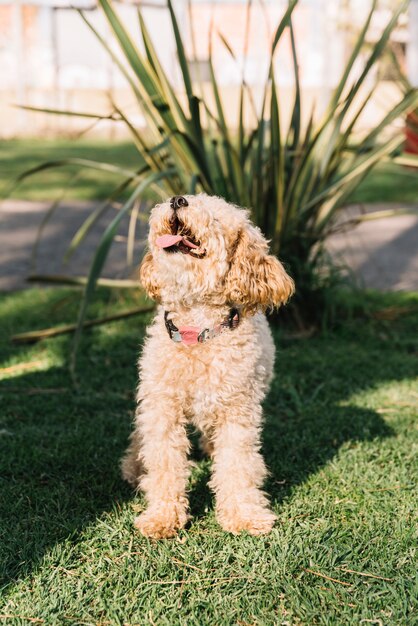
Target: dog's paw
<point>162,521</point>
<point>254,520</point>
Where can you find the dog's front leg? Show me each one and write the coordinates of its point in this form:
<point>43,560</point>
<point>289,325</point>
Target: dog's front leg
<point>164,447</point>
<point>239,472</point>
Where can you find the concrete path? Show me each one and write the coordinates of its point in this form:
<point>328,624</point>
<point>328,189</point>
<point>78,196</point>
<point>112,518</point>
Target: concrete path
<point>19,223</point>
<point>382,254</point>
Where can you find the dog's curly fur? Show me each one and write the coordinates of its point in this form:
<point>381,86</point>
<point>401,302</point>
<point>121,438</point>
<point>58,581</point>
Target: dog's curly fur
<point>219,385</point>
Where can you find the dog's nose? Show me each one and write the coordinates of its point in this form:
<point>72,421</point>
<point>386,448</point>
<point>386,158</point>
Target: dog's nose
<point>177,202</point>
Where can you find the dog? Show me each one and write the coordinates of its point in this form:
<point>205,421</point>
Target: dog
<point>207,360</point>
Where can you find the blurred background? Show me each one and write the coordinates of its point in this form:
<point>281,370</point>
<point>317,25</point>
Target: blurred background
<point>49,57</point>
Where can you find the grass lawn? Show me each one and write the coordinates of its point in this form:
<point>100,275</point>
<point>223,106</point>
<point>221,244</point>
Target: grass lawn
<point>339,440</point>
<point>383,185</point>
<point>17,156</point>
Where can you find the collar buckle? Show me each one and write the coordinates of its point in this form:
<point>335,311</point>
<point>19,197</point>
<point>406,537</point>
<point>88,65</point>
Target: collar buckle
<point>204,335</point>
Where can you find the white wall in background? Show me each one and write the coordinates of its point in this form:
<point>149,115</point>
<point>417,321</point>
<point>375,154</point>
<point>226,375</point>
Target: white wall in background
<point>49,58</point>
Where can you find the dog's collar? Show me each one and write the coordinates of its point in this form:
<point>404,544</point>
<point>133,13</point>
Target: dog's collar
<point>190,335</point>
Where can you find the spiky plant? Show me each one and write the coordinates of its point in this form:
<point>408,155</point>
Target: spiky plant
<point>294,179</point>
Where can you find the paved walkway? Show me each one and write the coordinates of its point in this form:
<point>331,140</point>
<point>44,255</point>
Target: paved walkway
<point>19,223</point>
<point>382,254</point>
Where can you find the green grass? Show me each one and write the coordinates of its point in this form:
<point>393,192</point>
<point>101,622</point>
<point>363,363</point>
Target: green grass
<point>17,156</point>
<point>388,184</point>
<point>340,440</point>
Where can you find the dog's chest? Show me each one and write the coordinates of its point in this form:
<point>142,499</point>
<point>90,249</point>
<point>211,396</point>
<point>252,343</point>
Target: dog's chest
<point>209,377</point>
<point>212,374</point>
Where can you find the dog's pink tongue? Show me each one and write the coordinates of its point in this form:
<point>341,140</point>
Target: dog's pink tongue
<point>168,240</point>
<point>165,241</point>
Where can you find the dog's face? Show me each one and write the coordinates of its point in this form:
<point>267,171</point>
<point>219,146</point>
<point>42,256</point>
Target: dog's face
<point>204,250</point>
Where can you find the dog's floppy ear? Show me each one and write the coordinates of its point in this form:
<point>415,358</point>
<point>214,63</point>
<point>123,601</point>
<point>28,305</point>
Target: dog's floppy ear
<point>256,279</point>
<point>147,277</point>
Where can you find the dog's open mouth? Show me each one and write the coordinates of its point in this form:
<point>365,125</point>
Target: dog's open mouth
<point>180,240</point>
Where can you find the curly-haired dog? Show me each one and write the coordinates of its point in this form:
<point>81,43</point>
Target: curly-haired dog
<point>207,360</point>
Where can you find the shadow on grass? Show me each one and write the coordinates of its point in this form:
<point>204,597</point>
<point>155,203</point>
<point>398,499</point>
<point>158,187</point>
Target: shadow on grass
<point>59,462</point>
<point>60,448</point>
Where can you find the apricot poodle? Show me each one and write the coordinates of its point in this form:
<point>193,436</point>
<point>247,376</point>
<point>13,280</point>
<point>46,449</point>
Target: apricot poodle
<point>207,360</point>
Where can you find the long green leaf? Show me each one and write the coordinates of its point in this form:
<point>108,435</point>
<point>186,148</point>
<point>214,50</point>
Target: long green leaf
<point>133,56</point>
<point>46,218</point>
<point>81,281</point>
<point>130,244</point>
<point>284,22</point>
<point>101,255</point>
<point>148,86</point>
<point>377,50</point>
<point>93,218</point>
<point>407,160</point>
<point>363,164</point>
<point>221,121</point>
<point>95,165</point>
<point>352,59</point>
<point>96,116</point>
<point>149,95</point>
<point>48,165</point>
<point>160,77</point>
<point>408,103</point>
<point>142,147</point>
<point>295,122</point>
<point>379,215</point>
<point>276,165</point>
<point>184,66</point>
<point>143,102</point>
